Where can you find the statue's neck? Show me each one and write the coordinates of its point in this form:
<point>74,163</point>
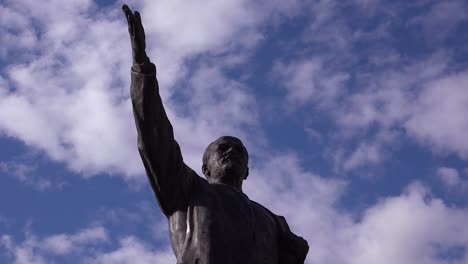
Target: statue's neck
<point>234,184</point>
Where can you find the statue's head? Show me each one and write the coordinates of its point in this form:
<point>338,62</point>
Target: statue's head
<point>226,161</point>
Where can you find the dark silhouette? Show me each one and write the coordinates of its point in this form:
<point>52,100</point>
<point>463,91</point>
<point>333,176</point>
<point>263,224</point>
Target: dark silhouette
<point>210,221</point>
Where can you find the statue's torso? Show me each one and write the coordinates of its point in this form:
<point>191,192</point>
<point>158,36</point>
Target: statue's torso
<point>221,225</point>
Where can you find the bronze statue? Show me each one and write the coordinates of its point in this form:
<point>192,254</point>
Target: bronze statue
<point>210,221</point>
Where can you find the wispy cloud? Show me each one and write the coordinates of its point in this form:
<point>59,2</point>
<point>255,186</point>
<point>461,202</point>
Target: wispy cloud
<point>412,225</point>
<point>441,19</point>
<point>85,246</point>
<point>69,96</point>
<point>309,81</point>
<point>456,182</point>
<point>132,250</point>
<point>24,173</point>
<point>402,228</point>
<point>42,250</point>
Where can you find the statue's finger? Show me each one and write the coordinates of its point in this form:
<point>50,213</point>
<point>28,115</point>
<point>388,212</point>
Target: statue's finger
<point>138,18</point>
<point>127,10</point>
<point>133,21</point>
<point>128,15</point>
<point>138,24</point>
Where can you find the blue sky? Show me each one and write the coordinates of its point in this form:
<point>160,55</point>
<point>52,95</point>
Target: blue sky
<point>353,112</point>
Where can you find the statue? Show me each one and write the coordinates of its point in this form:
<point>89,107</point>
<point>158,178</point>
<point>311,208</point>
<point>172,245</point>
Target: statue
<point>210,221</point>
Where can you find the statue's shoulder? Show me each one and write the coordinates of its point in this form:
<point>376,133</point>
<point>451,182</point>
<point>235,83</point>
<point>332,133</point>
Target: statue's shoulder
<point>293,248</point>
<point>260,208</point>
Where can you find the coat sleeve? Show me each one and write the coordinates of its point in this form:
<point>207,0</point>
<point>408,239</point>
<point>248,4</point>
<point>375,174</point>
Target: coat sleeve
<point>170,179</point>
<point>293,248</point>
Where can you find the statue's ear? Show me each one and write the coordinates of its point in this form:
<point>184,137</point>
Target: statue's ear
<point>246,174</point>
<point>205,170</point>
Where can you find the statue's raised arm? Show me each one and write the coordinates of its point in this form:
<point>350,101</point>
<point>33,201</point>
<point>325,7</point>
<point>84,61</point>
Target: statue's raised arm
<point>170,178</point>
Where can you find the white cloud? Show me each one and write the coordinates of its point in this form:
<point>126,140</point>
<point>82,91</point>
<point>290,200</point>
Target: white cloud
<point>438,116</point>
<point>398,229</point>
<point>441,18</point>
<point>365,154</point>
<point>455,181</point>
<point>411,226</point>
<point>395,92</point>
<point>387,98</point>
<point>402,228</point>
<point>70,97</point>
<point>132,250</point>
<point>143,217</point>
<point>15,29</point>
<point>84,246</point>
<point>25,173</point>
<point>420,100</point>
<point>368,153</point>
<point>38,251</point>
<point>184,24</point>
<point>65,100</point>
<point>63,243</point>
<point>69,89</point>
<point>308,80</point>
<point>449,176</point>
<point>216,106</point>
<point>306,200</point>
<point>22,255</point>
<point>180,30</point>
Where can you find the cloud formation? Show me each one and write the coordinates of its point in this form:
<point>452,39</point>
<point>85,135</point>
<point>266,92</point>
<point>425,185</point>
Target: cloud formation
<point>414,225</point>
<point>36,250</point>
<point>69,94</point>
<point>64,90</point>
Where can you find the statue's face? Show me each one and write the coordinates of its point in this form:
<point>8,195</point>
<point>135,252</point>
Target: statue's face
<point>227,161</point>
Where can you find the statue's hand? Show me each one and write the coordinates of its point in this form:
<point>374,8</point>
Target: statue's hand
<point>137,34</point>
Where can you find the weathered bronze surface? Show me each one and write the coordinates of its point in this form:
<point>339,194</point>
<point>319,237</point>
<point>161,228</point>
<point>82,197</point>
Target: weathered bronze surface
<point>210,221</point>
